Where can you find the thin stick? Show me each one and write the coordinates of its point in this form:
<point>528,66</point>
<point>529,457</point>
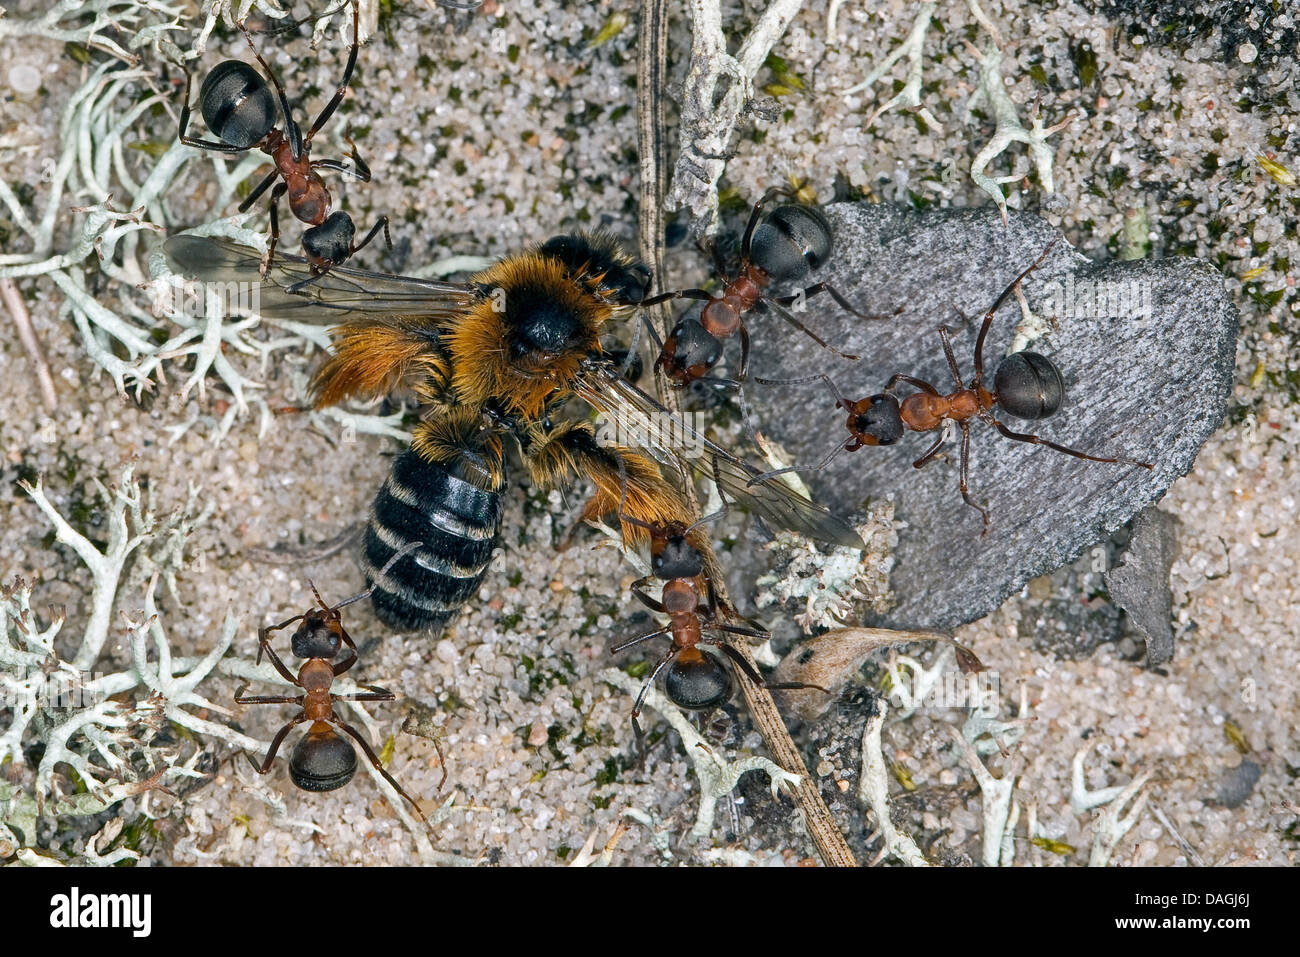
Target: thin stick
<point>13,301</point>
<point>651,70</point>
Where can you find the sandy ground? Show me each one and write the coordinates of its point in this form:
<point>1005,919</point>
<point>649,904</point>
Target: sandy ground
<point>488,131</point>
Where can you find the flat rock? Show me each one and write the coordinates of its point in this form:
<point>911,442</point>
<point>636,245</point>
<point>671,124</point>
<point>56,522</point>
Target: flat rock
<point>1146,387</point>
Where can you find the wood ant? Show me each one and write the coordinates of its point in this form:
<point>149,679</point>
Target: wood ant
<point>786,244</point>
<point>695,680</point>
<point>323,760</point>
<point>239,109</point>
<point>1026,385</point>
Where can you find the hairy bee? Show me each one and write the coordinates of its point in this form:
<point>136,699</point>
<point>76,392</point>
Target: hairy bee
<point>492,358</point>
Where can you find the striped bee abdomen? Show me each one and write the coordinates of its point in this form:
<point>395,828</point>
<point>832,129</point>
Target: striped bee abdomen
<point>457,520</point>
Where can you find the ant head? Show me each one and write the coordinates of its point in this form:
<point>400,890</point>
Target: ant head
<point>318,635</point>
<point>1028,386</point>
<point>689,352</point>
<point>673,556</point>
<point>790,242</point>
<point>697,681</point>
<point>322,761</point>
<point>331,241</point>
<point>237,104</point>
<point>875,420</point>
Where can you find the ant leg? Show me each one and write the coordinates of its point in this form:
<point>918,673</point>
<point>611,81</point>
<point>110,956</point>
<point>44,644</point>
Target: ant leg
<point>638,592</point>
<point>698,294</point>
<point>788,316</point>
<point>339,166</point>
<point>276,193</point>
<point>334,102</point>
<point>261,188</point>
<point>1036,440</point>
<point>988,316</point>
<point>374,761</point>
<point>279,740</point>
<point>952,359</point>
<point>216,147</point>
<point>347,663</point>
<point>933,450</point>
<point>915,383</point>
<point>839,300</point>
<point>375,694</point>
<point>265,645</point>
<point>359,168</point>
<point>241,698</point>
<point>637,640</point>
<point>965,471</point>
<point>747,632</point>
<point>264,634</point>
<point>744,354</point>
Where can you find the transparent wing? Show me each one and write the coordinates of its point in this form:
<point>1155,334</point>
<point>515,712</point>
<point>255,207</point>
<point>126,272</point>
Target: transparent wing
<point>340,294</point>
<point>641,421</point>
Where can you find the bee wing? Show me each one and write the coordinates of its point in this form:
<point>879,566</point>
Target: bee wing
<point>338,295</point>
<point>667,435</point>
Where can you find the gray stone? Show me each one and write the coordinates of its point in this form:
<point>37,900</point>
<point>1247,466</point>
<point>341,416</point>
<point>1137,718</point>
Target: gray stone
<point>1150,389</point>
<point>1141,585</point>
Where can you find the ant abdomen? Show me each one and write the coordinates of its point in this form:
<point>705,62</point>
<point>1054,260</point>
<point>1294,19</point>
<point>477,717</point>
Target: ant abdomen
<point>697,682</point>
<point>237,104</point>
<point>322,762</point>
<point>1028,386</point>
<point>790,242</point>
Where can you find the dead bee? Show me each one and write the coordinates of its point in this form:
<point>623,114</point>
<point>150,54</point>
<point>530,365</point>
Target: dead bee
<point>496,357</point>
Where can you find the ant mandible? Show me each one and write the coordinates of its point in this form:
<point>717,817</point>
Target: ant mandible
<point>786,244</point>
<point>695,680</point>
<point>323,760</point>
<point>1026,385</point>
<point>239,109</point>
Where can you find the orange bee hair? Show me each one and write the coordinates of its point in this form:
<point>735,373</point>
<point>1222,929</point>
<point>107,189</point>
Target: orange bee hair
<point>483,343</point>
<point>370,358</point>
<point>571,450</point>
<point>458,441</point>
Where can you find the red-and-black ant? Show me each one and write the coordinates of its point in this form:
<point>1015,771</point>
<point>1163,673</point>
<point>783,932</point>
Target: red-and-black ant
<point>323,760</point>
<point>784,245</point>
<point>695,680</point>
<point>1026,385</point>
<point>240,110</point>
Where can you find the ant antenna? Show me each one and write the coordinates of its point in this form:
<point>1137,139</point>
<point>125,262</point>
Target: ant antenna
<point>405,549</point>
<point>840,400</point>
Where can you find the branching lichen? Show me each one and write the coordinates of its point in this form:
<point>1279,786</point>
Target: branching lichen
<point>718,88</point>
<point>717,776</point>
